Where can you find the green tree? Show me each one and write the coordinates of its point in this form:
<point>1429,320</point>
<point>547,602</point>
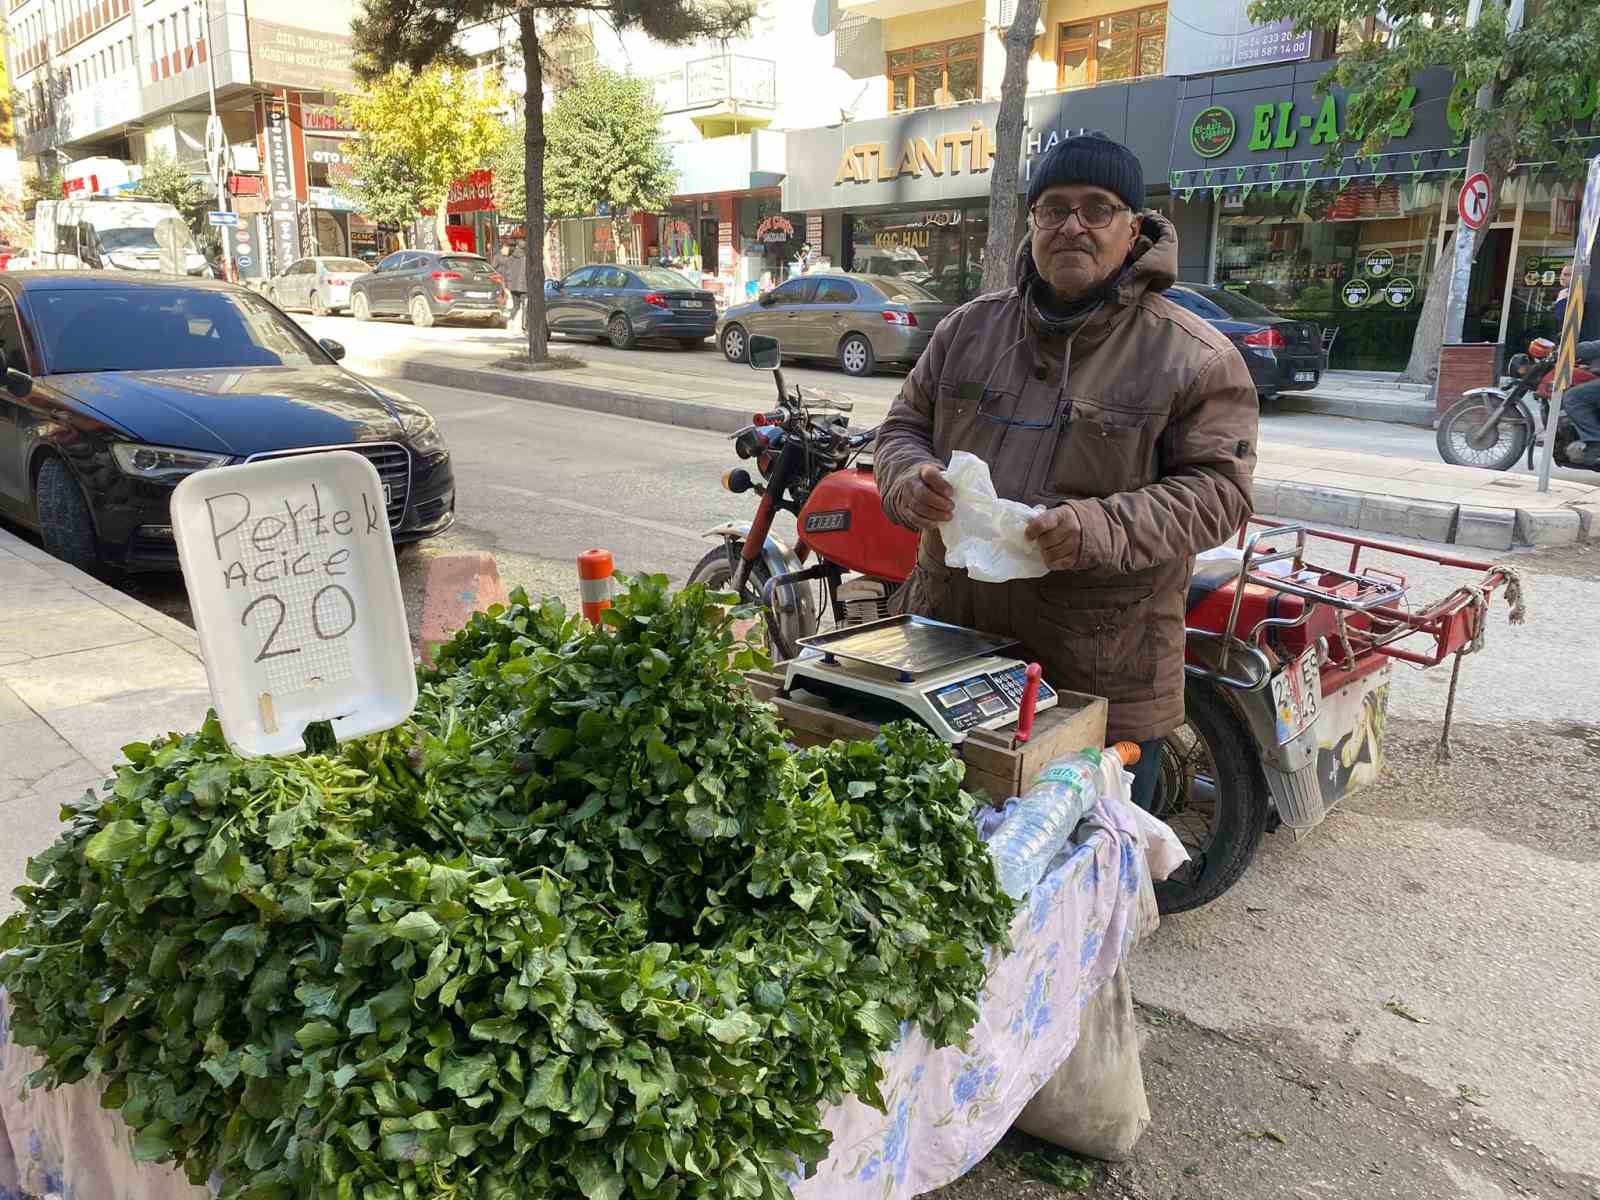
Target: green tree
<point>423,129</point>
<point>1539,78</point>
<point>382,186</point>
<point>416,33</point>
<point>604,150</point>
<point>511,174</point>
<point>164,180</point>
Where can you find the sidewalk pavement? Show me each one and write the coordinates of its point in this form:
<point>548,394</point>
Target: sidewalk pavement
<point>1380,495</point>
<point>84,670</point>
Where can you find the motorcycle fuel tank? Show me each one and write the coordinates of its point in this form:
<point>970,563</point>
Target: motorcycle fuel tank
<point>843,522</point>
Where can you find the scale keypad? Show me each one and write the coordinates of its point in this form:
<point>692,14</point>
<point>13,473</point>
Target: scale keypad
<point>983,699</point>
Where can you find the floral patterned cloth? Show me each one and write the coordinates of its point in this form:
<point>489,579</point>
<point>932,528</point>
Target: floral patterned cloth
<point>946,1108</point>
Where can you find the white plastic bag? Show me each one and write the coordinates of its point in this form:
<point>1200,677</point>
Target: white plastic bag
<point>985,537</point>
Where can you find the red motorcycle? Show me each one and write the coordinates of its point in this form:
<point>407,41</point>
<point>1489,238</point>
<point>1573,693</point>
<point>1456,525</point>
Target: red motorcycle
<point>1496,427</point>
<point>1287,662</point>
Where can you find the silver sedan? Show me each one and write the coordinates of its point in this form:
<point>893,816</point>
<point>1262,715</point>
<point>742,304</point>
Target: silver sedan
<point>858,321</point>
<point>320,285</point>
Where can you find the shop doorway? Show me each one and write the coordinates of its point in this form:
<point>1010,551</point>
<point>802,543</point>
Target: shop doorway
<point>1486,291</point>
<point>709,239</point>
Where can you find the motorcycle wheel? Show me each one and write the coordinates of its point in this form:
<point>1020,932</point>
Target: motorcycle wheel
<point>1214,798</point>
<point>1465,441</point>
<point>715,570</point>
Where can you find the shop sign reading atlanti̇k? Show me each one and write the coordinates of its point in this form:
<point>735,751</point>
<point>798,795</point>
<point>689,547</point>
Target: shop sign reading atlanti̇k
<point>291,576</point>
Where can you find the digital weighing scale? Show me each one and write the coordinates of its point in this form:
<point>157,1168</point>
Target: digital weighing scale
<point>948,677</point>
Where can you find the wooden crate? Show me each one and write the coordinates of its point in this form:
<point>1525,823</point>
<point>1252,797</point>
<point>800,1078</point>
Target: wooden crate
<point>997,766</point>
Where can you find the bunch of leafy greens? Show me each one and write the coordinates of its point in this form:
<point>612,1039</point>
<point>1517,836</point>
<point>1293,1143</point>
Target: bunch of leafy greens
<point>585,926</point>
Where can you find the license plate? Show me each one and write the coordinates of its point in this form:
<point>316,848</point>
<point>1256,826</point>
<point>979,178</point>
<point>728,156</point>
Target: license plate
<point>1305,376</point>
<point>1297,696</point>
<point>692,303</point>
<point>476,295</point>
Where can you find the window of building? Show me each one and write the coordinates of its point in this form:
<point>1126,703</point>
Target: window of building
<point>1124,45</point>
<point>572,55</point>
<point>937,73</point>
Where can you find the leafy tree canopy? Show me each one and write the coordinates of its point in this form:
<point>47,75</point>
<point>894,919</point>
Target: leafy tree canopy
<point>382,186</point>
<point>166,181</point>
<point>438,122</point>
<point>604,148</point>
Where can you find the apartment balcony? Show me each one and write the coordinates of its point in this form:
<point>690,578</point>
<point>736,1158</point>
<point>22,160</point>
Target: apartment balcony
<point>881,9</point>
<point>723,94</point>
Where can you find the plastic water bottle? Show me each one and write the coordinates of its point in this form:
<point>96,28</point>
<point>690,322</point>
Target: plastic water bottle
<point>1042,823</point>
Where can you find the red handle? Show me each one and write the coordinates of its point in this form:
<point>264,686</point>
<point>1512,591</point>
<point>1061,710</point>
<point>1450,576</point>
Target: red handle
<point>1030,700</point>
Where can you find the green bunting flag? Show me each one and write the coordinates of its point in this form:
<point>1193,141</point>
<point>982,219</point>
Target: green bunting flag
<point>1238,174</point>
<point>1272,169</point>
<point>1188,194</point>
<point>1277,187</point>
<point>1175,177</point>
<point>1209,173</point>
<point>1416,161</point>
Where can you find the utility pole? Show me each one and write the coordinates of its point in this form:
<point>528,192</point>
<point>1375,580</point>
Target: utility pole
<point>217,160</point>
<point>1466,243</point>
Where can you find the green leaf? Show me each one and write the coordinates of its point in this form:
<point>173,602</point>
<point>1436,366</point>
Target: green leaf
<point>734,1027</point>
<point>317,1035</point>
<point>116,843</point>
<point>466,1076</point>
<point>596,1178</point>
<point>417,926</point>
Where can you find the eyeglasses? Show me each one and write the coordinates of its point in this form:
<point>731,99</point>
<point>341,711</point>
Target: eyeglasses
<point>1092,214</point>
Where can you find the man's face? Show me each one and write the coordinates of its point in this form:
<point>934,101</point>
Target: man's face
<point>1566,275</point>
<point>1072,259</point>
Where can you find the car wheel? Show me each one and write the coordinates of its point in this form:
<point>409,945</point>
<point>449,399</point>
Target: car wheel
<point>421,314</point>
<point>318,308</point>
<point>735,345</point>
<point>65,525</point>
<point>855,355</point>
<point>619,331</point>
<point>361,307</point>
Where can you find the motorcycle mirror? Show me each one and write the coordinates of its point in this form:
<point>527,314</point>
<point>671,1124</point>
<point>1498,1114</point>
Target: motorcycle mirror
<point>19,383</point>
<point>764,353</point>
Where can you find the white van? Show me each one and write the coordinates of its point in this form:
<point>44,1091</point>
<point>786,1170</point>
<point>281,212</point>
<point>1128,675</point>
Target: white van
<point>107,234</point>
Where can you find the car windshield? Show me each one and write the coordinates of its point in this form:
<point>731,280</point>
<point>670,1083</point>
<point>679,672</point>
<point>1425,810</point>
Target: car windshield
<point>468,265</point>
<point>656,277</point>
<point>1235,305</point>
<point>344,264</point>
<point>160,328</point>
<point>137,237</point>
<point>902,291</point>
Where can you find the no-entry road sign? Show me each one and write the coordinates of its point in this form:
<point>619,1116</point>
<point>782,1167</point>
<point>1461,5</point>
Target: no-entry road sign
<point>1473,203</point>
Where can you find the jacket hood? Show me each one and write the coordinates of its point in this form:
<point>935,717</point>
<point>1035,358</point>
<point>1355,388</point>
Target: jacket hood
<point>1152,265</point>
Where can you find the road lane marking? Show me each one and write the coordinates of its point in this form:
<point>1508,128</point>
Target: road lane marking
<point>679,531</point>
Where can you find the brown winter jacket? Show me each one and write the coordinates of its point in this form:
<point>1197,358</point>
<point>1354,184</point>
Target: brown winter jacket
<point>1145,426</point>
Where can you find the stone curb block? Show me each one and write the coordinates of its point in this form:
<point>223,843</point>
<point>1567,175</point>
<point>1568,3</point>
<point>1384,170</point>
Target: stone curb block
<point>1402,412</point>
<point>1486,528</point>
<point>1426,519</point>
<point>1319,505</point>
<point>1561,527</point>
<point>454,587</point>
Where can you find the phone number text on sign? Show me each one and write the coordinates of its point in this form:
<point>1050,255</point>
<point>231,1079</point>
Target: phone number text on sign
<point>291,577</point>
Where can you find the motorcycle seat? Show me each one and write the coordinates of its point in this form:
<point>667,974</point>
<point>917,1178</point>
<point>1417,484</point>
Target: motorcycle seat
<point>1212,570</point>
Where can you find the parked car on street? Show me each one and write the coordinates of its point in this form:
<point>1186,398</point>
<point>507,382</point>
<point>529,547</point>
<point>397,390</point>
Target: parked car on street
<point>117,386</point>
<point>429,286</point>
<point>625,304</point>
<point>320,285</point>
<point>859,321</point>
<point>1283,355</point>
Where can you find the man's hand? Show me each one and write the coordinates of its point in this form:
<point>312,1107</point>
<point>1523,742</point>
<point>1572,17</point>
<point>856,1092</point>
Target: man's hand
<point>1060,537</point>
<point>930,500</point>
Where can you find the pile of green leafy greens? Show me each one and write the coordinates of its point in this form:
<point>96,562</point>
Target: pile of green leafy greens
<point>585,926</point>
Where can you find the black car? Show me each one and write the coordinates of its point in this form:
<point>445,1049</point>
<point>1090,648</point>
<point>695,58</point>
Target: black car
<point>117,387</point>
<point>624,304</point>
<point>429,286</point>
<point>1283,355</point>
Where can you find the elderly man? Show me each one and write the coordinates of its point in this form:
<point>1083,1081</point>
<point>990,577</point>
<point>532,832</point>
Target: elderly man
<point>1131,422</point>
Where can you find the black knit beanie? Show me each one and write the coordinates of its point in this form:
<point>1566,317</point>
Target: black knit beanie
<point>1095,159</point>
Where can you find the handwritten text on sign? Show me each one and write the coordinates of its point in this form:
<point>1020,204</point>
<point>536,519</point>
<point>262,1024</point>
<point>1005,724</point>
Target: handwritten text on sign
<point>292,580</point>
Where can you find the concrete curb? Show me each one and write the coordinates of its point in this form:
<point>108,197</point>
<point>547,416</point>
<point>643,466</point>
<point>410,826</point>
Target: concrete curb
<point>1370,512</point>
<point>1397,412</point>
<point>454,587</point>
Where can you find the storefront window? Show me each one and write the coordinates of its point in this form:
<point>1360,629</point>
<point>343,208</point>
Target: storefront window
<point>940,249</point>
<point>770,240</point>
<point>1357,259</point>
<point>1125,45</point>
<point>937,73</point>
<point>1549,232</point>
<point>324,159</point>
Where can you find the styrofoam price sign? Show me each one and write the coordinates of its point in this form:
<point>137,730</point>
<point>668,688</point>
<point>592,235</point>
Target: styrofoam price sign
<point>296,598</point>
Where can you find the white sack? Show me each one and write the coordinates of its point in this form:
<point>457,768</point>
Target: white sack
<point>985,536</point>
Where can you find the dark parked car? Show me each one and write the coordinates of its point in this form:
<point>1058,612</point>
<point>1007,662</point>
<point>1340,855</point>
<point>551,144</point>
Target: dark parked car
<point>1283,355</point>
<point>429,286</point>
<point>117,387</point>
<point>624,304</point>
<point>858,321</point>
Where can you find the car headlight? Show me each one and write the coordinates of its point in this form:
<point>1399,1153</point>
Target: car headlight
<point>162,462</point>
<point>423,433</point>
